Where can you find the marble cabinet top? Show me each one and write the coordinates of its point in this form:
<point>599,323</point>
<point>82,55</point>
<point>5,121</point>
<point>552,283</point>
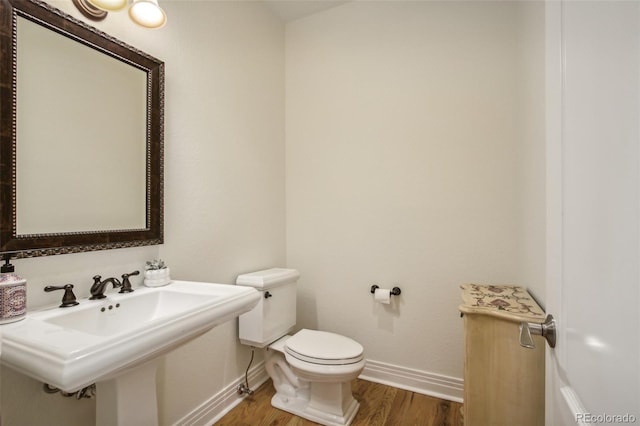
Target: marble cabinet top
<point>509,302</point>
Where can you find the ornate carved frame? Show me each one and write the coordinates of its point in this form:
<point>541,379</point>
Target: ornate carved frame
<point>61,243</point>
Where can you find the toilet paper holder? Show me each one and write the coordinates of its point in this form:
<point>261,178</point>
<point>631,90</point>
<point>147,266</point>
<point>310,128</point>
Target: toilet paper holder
<point>394,291</point>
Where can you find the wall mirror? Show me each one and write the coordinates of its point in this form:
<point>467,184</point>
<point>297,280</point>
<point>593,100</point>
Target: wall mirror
<point>81,138</point>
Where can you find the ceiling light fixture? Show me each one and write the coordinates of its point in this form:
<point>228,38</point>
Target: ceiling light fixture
<point>109,5</point>
<point>146,13</point>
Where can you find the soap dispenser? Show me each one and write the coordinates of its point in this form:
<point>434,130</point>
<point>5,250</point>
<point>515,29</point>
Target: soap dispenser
<point>13,294</point>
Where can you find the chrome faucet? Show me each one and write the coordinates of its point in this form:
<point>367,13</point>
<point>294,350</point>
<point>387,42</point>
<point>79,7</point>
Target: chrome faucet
<point>98,288</point>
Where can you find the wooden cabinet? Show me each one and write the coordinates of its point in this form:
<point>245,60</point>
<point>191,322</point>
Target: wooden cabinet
<point>503,381</point>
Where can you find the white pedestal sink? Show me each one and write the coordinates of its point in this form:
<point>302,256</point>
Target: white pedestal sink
<point>115,342</point>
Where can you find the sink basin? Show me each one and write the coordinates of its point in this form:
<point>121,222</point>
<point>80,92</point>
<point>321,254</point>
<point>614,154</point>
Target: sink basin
<point>71,348</point>
<point>117,316</point>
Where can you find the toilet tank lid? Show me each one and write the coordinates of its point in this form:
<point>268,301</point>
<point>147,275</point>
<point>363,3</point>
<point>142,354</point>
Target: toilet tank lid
<point>268,278</point>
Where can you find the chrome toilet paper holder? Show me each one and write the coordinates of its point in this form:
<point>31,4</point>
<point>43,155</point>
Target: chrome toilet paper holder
<point>394,291</point>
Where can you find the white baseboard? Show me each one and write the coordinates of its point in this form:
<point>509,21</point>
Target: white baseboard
<point>444,387</point>
<point>221,403</point>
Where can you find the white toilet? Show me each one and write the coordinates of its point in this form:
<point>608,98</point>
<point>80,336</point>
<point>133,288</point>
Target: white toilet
<point>312,370</point>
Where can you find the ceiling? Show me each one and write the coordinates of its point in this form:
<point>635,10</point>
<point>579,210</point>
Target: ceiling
<point>288,10</point>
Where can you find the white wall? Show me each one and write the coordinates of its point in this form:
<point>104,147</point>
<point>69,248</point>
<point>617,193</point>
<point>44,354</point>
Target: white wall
<point>225,186</point>
<point>405,157</point>
<point>224,193</point>
<point>531,138</point>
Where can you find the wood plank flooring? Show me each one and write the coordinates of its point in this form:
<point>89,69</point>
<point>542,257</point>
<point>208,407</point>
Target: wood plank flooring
<point>380,405</point>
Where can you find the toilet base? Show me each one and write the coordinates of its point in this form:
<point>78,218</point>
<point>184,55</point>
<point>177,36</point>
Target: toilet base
<point>322,395</point>
<point>301,407</point>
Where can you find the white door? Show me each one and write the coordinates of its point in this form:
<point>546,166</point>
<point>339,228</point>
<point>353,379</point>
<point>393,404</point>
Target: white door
<point>593,211</point>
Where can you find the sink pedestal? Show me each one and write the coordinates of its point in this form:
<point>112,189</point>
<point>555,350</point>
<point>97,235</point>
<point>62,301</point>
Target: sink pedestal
<point>130,398</point>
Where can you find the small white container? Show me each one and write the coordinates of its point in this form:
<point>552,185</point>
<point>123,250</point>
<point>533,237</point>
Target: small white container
<point>13,295</point>
<point>157,277</point>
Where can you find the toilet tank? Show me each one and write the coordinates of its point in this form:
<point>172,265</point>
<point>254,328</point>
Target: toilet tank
<point>275,314</point>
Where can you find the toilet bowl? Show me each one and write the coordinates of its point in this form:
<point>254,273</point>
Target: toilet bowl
<point>324,357</point>
<point>312,373</point>
<point>311,370</point>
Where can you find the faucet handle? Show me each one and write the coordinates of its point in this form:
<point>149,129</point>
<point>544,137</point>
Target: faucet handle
<point>68,299</point>
<point>126,284</point>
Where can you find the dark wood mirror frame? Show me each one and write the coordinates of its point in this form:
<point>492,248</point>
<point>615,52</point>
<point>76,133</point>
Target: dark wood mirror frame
<point>61,243</point>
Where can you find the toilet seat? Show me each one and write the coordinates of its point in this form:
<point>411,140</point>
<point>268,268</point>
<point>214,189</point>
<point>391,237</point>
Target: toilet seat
<point>324,348</point>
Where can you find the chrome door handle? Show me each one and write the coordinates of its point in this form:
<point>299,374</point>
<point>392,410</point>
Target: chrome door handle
<point>547,330</point>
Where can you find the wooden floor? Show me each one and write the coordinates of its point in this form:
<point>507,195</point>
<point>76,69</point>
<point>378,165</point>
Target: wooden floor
<point>379,405</point>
